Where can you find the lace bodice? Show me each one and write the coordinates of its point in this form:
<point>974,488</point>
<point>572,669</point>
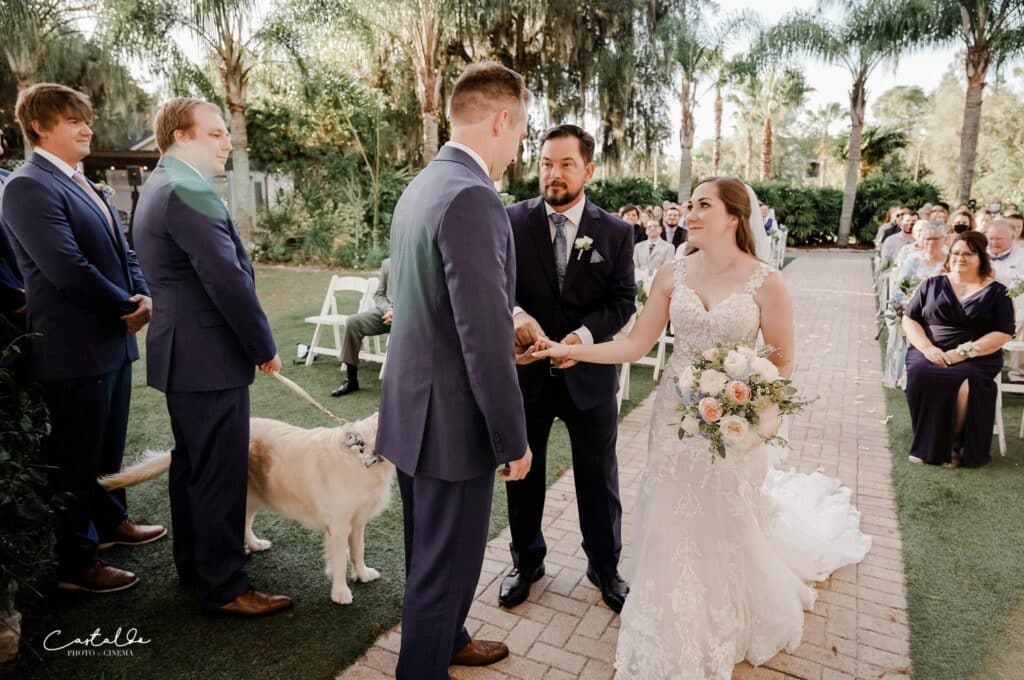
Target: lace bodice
<point>736,319</point>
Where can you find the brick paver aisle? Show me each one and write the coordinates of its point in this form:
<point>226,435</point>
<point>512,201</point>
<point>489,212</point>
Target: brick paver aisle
<point>858,627</point>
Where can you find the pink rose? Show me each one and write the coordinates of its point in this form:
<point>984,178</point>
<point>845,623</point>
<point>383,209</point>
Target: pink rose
<point>769,421</point>
<point>734,429</point>
<point>709,409</point>
<point>738,392</point>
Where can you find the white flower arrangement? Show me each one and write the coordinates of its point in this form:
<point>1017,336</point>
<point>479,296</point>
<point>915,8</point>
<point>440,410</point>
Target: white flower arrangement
<point>734,397</point>
<point>583,244</point>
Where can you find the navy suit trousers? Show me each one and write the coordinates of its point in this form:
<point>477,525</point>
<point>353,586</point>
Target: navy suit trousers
<point>446,526</point>
<point>209,468</point>
<point>88,424</point>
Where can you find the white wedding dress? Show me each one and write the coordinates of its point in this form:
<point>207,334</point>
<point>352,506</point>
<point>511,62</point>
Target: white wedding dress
<point>723,554</point>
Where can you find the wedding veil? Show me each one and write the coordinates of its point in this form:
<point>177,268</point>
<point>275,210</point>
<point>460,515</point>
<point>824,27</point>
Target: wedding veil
<point>762,243</point>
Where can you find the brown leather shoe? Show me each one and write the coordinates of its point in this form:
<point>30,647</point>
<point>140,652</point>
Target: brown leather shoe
<point>99,577</point>
<point>253,603</point>
<point>130,533</point>
<point>480,653</point>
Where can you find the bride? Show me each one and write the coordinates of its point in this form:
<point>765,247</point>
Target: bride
<point>723,554</point>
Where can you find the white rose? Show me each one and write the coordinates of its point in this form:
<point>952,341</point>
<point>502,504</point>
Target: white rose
<point>713,382</point>
<point>734,429</point>
<point>691,425</point>
<point>766,369</point>
<point>769,421</point>
<point>685,379</point>
<point>736,365</point>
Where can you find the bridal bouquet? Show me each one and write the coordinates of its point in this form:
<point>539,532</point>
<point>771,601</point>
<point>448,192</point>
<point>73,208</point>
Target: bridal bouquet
<point>733,396</point>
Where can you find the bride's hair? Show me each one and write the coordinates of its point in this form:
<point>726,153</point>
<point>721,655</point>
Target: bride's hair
<point>733,193</point>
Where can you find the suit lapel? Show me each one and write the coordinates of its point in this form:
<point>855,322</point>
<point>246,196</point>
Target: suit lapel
<point>540,233</point>
<point>577,259</point>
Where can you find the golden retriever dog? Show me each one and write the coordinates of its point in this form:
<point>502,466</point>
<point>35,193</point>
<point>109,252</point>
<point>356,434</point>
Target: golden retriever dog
<point>328,478</point>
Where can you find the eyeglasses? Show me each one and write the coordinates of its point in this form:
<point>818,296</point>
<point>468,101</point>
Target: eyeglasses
<point>935,238</point>
<point>962,253</point>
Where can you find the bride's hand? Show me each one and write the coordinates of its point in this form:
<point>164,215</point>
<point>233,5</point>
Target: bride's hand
<point>552,350</point>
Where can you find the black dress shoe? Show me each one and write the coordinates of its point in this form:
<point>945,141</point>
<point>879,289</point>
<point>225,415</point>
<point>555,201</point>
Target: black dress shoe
<point>347,387</point>
<point>515,587</point>
<point>613,589</point>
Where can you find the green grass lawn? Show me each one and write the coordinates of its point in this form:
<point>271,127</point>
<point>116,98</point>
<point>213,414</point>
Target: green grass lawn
<point>315,640</point>
<point>963,552</point>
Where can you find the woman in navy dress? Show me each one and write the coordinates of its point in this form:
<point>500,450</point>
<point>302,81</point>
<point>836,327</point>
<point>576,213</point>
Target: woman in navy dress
<point>956,324</point>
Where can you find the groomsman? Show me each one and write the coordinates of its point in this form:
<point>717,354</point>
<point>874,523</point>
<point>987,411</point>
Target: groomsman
<point>575,284</point>
<point>209,333</point>
<point>86,299</point>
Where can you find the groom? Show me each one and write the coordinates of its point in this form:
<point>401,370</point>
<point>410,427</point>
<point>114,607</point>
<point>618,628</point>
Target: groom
<point>450,414</point>
<point>575,284</point>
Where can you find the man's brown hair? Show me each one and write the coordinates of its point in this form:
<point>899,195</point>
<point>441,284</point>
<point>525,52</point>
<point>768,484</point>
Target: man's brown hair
<point>485,87</point>
<point>176,115</point>
<point>46,104</point>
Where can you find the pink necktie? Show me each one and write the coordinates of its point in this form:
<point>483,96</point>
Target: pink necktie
<point>81,181</point>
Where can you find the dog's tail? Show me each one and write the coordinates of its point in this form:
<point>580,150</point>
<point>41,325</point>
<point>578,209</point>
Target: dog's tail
<point>151,464</point>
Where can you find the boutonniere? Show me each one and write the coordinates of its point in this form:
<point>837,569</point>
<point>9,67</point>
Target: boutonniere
<point>105,189</point>
<point>583,244</point>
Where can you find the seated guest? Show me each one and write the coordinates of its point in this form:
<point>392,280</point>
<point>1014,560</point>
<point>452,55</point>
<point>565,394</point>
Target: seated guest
<point>653,252</point>
<point>890,224</point>
<point>631,215</point>
<point>1007,259</point>
<point>925,212</point>
<point>961,221</point>
<point>1017,221</point>
<point>892,244</point>
<point>940,212</point>
<point>365,324</point>
<point>931,258</point>
<point>956,324</point>
<point>914,248</point>
<point>768,215</point>
<point>673,232</point>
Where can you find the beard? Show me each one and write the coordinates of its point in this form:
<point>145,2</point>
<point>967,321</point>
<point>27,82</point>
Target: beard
<point>555,199</point>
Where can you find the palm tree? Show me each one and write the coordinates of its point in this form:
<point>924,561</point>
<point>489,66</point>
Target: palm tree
<point>780,90</point>
<point>869,33</point>
<point>993,32</point>
<point>877,144</point>
<point>822,119</point>
<point>229,31</point>
<point>744,96</point>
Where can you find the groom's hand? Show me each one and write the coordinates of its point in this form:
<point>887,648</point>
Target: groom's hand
<point>517,469</point>
<point>528,331</point>
<point>526,356</point>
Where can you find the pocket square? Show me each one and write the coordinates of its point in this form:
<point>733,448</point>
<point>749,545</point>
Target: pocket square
<point>596,257</point>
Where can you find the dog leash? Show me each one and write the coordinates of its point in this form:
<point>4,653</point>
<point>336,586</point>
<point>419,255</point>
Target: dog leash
<point>306,396</point>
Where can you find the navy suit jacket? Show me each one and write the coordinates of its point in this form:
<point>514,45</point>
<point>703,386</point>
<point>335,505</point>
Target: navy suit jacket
<point>450,407</point>
<point>208,331</point>
<point>78,273</point>
<point>599,293</point>
<point>12,285</point>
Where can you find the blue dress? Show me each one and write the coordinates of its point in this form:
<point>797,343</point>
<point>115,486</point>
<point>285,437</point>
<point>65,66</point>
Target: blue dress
<point>932,390</point>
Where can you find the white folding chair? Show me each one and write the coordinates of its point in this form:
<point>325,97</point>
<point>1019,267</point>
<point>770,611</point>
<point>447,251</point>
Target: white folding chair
<point>329,317</point>
<point>375,348</point>
<point>998,430</point>
<point>1013,346</point>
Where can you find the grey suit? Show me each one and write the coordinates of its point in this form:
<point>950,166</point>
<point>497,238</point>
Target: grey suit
<point>371,322</point>
<point>450,409</point>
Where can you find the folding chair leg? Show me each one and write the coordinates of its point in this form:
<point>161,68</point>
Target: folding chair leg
<point>315,342</point>
<point>1020,435</point>
<point>659,361</point>
<point>999,418</point>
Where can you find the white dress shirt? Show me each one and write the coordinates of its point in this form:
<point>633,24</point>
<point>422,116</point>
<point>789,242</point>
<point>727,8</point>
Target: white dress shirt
<point>1010,266</point>
<point>472,154</point>
<point>60,163</point>
<point>573,216</point>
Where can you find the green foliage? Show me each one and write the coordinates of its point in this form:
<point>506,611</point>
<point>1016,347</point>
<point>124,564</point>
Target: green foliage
<point>26,518</point>
<point>876,193</point>
<point>811,214</point>
<point>607,193</point>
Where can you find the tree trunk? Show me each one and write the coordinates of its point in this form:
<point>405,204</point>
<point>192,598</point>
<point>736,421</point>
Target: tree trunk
<point>235,77</point>
<point>685,142</point>
<point>857,96</point>
<point>766,149</point>
<point>978,59</point>
<point>749,164</point>
<point>716,153</point>
<point>823,160</point>
<point>424,50</point>
<point>429,136</point>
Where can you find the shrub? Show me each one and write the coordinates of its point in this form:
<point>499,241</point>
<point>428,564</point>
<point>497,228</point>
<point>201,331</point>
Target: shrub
<point>877,192</point>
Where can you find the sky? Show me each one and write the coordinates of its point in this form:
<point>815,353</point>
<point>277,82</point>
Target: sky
<point>831,84</point>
